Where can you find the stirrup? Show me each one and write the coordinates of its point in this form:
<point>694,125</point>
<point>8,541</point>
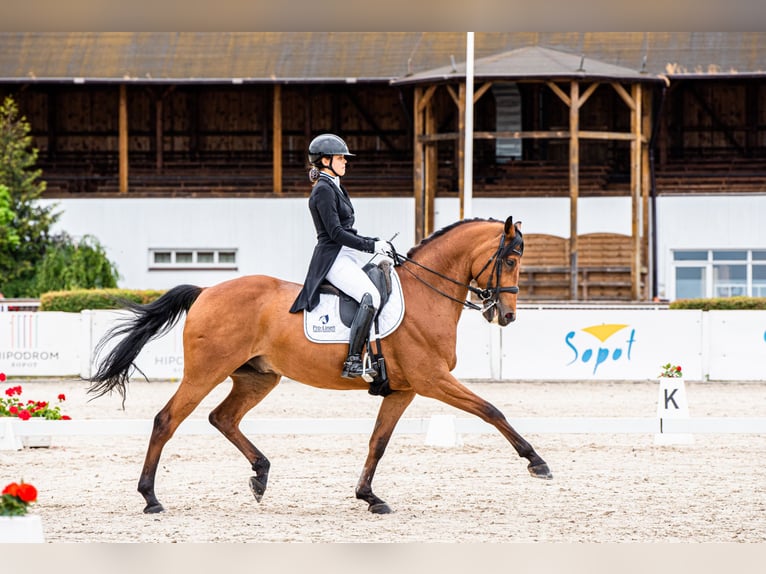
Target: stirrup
<point>355,367</point>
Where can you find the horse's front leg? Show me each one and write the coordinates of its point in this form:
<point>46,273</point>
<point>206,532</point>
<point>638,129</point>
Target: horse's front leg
<point>391,410</point>
<point>448,389</point>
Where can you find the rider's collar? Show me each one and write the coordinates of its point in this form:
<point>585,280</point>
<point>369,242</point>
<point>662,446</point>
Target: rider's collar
<point>334,179</point>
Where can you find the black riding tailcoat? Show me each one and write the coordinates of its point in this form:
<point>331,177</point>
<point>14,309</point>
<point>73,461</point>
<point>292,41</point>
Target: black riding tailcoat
<point>333,217</point>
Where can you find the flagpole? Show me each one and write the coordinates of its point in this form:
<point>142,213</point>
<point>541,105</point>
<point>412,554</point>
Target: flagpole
<point>468,156</point>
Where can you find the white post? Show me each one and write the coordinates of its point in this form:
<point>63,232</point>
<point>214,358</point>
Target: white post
<point>672,404</point>
<point>468,158</point>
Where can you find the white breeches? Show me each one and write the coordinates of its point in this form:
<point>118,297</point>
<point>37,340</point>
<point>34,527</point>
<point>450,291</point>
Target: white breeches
<point>347,275</point>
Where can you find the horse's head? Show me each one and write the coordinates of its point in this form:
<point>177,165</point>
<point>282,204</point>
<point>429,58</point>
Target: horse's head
<point>501,276</point>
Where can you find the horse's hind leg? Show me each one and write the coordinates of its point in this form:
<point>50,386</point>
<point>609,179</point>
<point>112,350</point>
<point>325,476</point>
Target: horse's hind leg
<point>391,410</point>
<point>180,406</point>
<point>249,389</point>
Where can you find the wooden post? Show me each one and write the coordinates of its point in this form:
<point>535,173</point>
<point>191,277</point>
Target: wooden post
<point>574,183</point>
<point>123,138</point>
<point>431,170</point>
<point>417,166</point>
<point>646,261</point>
<point>635,186</point>
<point>158,133</point>
<point>277,139</point>
<point>461,149</point>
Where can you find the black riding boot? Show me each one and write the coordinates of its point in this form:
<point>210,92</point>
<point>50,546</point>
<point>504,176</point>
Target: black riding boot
<point>360,328</point>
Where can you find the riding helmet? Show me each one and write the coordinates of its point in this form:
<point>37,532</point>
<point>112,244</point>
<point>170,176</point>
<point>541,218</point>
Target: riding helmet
<point>327,145</point>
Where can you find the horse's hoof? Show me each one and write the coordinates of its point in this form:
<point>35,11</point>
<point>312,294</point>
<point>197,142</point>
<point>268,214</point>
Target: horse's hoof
<point>540,471</point>
<point>380,508</point>
<point>153,509</point>
<point>257,487</point>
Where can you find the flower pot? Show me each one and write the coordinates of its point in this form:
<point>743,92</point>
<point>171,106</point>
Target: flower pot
<point>27,528</point>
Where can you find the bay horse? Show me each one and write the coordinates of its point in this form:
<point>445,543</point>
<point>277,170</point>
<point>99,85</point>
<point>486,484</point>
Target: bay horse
<point>241,329</point>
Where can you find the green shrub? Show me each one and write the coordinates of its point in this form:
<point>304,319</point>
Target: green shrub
<point>721,304</point>
<point>75,264</point>
<point>79,299</point>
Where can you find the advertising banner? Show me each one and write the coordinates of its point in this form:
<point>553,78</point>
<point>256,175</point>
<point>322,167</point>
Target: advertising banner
<point>40,344</point>
<point>737,348</point>
<point>610,344</point>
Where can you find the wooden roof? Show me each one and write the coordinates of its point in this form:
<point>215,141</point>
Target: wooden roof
<point>531,62</point>
<point>305,57</point>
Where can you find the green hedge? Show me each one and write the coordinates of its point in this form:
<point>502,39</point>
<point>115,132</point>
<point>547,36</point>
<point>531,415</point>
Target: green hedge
<point>721,304</point>
<point>76,300</point>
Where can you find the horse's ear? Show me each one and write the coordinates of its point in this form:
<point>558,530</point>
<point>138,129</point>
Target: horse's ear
<point>509,228</point>
<point>517,225</point>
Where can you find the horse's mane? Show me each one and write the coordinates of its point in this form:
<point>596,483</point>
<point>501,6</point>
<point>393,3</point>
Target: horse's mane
<point>442,231</point>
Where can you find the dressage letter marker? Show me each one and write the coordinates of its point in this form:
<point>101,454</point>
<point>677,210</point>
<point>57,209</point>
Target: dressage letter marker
<point>671,404</point>
<point>442,431</point>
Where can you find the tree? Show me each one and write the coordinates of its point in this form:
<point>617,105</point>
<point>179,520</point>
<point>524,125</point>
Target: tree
<point>69,264</point>
<point>31,223</point>
<point>9,239</point>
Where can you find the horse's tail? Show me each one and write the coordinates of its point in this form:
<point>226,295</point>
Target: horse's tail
<point>148,322</point>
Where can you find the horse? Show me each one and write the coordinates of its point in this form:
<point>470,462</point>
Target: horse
<point>241,329</point>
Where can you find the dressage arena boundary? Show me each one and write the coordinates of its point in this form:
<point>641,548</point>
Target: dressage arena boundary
<point>341,426</point>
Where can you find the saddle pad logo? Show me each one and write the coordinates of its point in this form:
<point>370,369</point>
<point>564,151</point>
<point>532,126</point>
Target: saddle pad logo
<point>323,323</point>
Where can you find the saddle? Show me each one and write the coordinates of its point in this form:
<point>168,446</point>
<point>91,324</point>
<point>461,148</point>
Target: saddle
<point>379,274</point>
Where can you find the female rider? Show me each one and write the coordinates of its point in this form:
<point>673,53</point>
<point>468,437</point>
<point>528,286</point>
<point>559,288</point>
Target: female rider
<point>340,252</point>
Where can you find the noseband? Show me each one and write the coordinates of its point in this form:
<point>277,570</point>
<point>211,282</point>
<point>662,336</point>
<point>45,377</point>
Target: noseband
<point>491,294</point>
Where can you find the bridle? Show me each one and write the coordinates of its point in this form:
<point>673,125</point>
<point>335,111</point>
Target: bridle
<point>490,295</point>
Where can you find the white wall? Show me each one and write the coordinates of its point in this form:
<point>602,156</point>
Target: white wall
<point>707,222</point>
<point>275,236</point>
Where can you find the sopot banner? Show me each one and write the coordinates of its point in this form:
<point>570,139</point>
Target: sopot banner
<point>612,344</point>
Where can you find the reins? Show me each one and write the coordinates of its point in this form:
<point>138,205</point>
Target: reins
<point>488,296</point>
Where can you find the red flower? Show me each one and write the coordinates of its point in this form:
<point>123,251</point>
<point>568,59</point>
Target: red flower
<point>12,489</point>
<point>10,391</point>
<point>24,415</point>
<point>678,368</point>
<point>14,410</point>
<point>62,397</point>
<point>66,418</point>
<point>26,492</point>
<point>2,377</point>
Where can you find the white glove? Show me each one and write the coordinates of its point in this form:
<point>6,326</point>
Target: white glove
<point>383,248</point>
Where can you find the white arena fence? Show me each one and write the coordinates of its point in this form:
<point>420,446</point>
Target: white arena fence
<point>585,342</point>
<point>444,424</point>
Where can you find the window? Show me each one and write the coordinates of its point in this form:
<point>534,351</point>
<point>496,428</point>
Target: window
<point>186,259</point>
<point>719,273</point>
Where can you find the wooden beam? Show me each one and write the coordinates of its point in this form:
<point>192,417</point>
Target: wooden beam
<point>587,94</point>
<point>426,98</point>
<point>431,171</point>
<point>123,138</point>
<point>635,186</point>
<point>158,131</point>
<point>574,184</point>
<point>453,95</point>
<point>623,93</point>
<point>557,134</point>
<point>646,136</point>
<point>559,92</point>
<point>277,139</point>
<point>417,164</point>
<point>481,91</point>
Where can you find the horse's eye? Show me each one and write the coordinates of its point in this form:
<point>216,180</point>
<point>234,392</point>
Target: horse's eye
<point>510,262</point>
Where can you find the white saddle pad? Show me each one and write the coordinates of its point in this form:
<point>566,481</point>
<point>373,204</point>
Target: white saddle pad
<point>323,325</point>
